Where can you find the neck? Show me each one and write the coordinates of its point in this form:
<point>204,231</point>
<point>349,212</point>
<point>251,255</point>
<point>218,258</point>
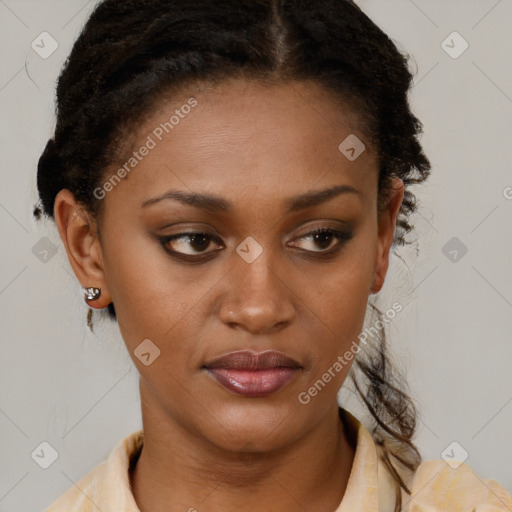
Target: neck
<point>179,471</point>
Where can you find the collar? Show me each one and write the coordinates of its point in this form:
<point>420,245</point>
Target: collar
<point>370,486</point>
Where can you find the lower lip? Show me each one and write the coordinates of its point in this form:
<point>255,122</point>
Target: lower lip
<point>253,383</point>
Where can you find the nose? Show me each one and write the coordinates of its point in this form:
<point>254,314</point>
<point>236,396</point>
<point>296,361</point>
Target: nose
<point>260,299</point>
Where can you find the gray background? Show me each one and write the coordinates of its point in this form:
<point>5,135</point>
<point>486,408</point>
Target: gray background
<point>79,391</point>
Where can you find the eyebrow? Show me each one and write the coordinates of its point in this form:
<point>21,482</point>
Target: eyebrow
<point>214,204</point>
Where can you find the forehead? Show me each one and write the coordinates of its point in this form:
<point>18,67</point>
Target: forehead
<point>241,137</point>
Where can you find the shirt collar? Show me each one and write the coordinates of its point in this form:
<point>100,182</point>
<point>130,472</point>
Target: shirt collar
<point>370,486</point>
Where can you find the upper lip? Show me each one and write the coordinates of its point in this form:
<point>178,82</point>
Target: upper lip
<point>247,360</point>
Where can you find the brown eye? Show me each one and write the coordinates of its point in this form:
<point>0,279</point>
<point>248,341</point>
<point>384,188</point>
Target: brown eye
<point>196,245</point>
<point>324,238</point>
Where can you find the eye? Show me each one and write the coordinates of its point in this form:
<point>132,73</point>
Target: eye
<point>196,245</point>
<point>325,238</point>
<point>192,244</point>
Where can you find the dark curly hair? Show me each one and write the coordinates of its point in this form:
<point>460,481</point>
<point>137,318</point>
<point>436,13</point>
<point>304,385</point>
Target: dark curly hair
<point>132,52</point>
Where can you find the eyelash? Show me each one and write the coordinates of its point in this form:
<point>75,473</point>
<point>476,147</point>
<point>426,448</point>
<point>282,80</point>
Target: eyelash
<point>342,236</point>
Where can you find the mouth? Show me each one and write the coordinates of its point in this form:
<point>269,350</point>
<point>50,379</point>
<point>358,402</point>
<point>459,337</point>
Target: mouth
<point>253,374</point>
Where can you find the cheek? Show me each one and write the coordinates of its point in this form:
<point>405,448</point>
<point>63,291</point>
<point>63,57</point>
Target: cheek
<point>344,313</point>
<point>146,290</point>
<point>341,300</point>
<point>160,300</point>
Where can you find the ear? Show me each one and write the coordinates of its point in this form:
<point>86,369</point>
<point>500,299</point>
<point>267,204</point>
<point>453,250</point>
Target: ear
<point>78,232</point>
<point>386,232</point>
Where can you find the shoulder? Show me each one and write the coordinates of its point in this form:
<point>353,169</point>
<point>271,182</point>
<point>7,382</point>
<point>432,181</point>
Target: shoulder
<point>81,496</point>
<point>438,487</point>
<point>107,486</point>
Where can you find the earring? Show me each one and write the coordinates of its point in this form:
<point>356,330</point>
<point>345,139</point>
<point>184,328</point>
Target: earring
<point>91,293</point>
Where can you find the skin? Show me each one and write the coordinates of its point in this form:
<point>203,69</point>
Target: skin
<point>254,145</point>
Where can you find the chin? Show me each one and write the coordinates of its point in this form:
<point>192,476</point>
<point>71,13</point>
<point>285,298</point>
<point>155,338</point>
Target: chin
<point>256,424</point>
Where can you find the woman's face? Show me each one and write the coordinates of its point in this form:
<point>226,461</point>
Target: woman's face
<point>248,162</point>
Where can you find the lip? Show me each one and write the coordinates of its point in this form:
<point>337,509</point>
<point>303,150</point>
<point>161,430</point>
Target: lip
<point>253,374</point>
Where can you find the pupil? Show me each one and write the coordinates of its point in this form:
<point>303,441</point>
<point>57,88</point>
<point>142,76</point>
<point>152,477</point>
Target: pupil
<point>201,244</point>
<point>322,238</point>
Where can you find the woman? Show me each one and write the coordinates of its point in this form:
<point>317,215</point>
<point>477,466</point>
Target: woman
<point>228,179</point>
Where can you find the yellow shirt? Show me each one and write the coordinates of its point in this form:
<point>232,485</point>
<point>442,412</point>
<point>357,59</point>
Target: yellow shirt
<point>436,486</point>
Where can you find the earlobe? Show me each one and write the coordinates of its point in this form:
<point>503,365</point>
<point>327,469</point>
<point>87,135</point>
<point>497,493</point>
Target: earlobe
<point>386,232</point>
<point>78,233</point>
